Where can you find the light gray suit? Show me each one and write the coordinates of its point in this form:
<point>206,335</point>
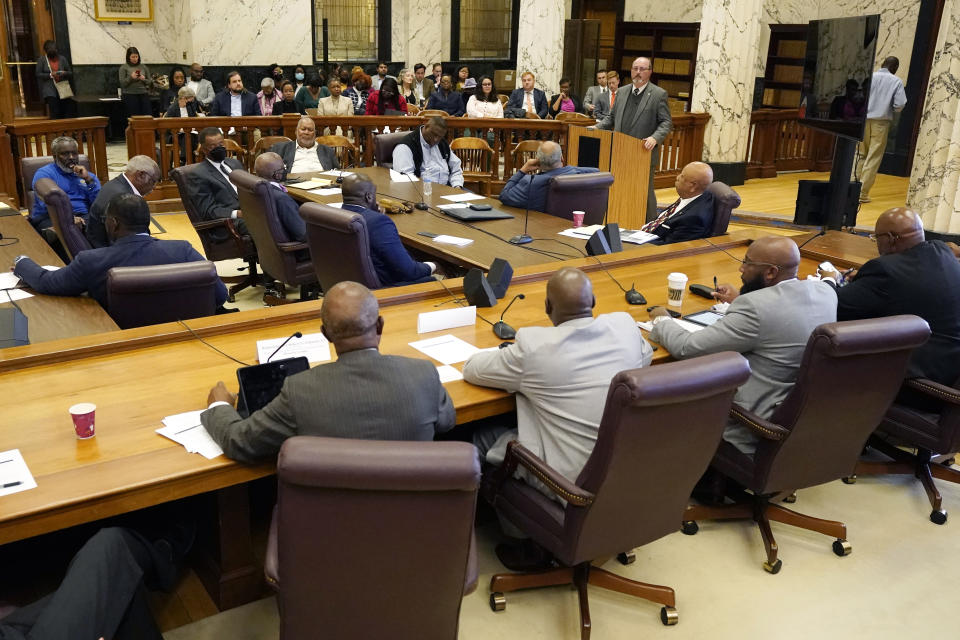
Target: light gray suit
<point>363,395</point>
<point>591,94</point>
<point>651,119</point>
<point>601,105</point>
<point>770,327</point>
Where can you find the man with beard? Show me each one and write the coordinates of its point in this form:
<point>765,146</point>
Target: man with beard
<point>81,186</point>
<point>769,321</point>
<point>235,100</point>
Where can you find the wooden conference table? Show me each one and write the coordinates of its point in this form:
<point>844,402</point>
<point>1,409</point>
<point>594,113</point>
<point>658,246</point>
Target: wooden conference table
<point>137,377</point>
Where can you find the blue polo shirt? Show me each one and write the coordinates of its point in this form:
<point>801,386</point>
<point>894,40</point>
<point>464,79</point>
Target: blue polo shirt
<point>80,193</point>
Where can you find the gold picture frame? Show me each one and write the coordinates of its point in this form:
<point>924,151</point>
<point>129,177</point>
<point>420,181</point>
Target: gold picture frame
<point>123,10</point>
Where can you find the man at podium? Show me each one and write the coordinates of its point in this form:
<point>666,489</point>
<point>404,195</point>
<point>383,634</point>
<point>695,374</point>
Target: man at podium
<point>640,110</point>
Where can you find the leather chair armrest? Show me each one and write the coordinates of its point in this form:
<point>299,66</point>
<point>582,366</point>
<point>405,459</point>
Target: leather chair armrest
<point>517,454</point>
<point>471,578</point>
<point>270,561</point>
<point>290,247</point>
<point>763,428</point>
<point>935,390</point>
<point>213,224</point>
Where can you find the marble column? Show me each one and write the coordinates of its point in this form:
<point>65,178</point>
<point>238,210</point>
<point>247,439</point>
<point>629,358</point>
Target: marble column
<point>724,75</point>
<point>933,191</point>
<point>417,32</point>
<point>540,43</point>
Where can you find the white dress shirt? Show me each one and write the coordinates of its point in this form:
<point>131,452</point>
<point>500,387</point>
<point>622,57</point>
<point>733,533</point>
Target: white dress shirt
<point>886,95</point>
<point>236,107</point>
<point>433,166</point>
<point>305,160</point>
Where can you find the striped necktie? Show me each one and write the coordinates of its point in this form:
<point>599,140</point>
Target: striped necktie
<point>669,211</point>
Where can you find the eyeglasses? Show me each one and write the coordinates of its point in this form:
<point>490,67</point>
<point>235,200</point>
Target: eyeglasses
<point>643,69</point>
<point>751,263</point>
<point>893,236</point>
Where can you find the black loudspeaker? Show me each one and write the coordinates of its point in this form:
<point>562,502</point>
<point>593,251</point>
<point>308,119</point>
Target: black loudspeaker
<point>604,241</point>
<point>499,276</point>
<point>477,290</point>
<point>13,328</point>
<point>612,231</point>
<point>811,196</point>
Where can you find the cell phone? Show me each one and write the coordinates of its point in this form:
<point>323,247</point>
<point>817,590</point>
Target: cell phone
<point>826,265</point>
<point>673,314</point>
<point>427,234</point>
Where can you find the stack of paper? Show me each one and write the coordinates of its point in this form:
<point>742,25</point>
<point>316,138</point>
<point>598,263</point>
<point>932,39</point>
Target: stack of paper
<point>14,474</point>
<point>637,237</point>
<point>186,429</point>
<point>313,183</point>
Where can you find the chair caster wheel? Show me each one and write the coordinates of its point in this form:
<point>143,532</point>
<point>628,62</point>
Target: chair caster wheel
<point>627,557</point>
<point>850,480</point>
<point>689,527</point>
<point>773,568</point>
<point>790,499</point>
<point>669,616</point>
<point>938,517</point>
<point>842,548</point>
<point>497,601</point>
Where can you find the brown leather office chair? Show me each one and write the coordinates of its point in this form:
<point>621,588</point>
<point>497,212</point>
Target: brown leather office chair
<point>475,157</point>
<point>587,192</point>
<point>284,258</point>
<point>383,146</point>
<point>141,296</point>
<point>339,246</point>
<point>635,484</point>
<point>219,237</point>
<point>930,433</point>
<point>328,557</point>
<point>849,375</point>
<point>725,200</point>
<point>28,169</point>
<point>61,217</point>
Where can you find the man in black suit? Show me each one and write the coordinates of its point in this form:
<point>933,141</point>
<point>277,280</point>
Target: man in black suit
<point>139,177</point>
<point>235,100</point>
<point>213,193</point>
<point>304,155</point>
<point>528,98</point>
<point>128,227</point>
<point>691,216</point>
<point>363,394</point>
<point>269,166</point>
<point>916,276</point>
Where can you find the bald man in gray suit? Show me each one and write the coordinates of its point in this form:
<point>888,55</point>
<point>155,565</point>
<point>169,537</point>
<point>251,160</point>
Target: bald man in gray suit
<point>363,395</point>
<point>641,110</point>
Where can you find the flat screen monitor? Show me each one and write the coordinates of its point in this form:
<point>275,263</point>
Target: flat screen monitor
<point>837,69</point>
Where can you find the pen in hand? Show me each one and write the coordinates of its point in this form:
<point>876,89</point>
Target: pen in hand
<point>715,287</point>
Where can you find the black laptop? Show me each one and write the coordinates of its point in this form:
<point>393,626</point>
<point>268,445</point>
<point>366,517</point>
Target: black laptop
<point>261,383</point>
<point>467,214</point>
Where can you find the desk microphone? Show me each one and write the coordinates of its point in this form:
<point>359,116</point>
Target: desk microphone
<point>342,169</point>
<point>823,231</point>
<point>524,238</point>
<point>283,344</point>
<point>500,328</point>
<point>422,206</point>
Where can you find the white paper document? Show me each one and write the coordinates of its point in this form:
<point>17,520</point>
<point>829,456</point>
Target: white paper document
<point>455,205</point>
<point>325,191</point>
<point>15,476</point>
<point>187,430</point>
<point>336,172</point>
<point>313,183</point>
<point>638,237</point>
<point>448,373</point>
<point>454,240</point>
<point>8,280</point>
<point>683,324</point>
<point>581,232</point>
<point>14,294</point>
<point>447,349</point>
<point>463,197</point>
<point>446,319</point>
<point>312,345</point>
<point>396,176</point>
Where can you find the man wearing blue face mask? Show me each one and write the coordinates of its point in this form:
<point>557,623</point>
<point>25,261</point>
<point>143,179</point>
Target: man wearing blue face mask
<point>202,87</point>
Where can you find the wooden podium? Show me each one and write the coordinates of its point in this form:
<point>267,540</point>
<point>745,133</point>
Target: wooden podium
<point>626,158</point>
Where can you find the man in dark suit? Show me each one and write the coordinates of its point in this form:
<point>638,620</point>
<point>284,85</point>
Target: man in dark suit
<point>691,216</point>
<point>234,100</point>
<point>363,394</point>
<point>446,99</point>
<point>640,110</point>
<point>139,177</point>
<point>531,192</point>
<point>269,166</point>
<point>128,227</point>
<point>304,155</point>
<point>213,193</point>
<point>528,98</point>
<point>916,276</point>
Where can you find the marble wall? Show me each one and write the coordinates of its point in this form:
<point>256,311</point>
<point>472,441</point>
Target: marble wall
<point>540,42</point>
<point>659,11</point>
<point>93,42</point>
<point>417,35</point>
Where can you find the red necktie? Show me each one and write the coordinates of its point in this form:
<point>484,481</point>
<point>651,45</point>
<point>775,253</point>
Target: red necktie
<point>650,226</point>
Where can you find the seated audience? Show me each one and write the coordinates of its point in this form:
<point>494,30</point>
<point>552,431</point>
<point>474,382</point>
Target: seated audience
<point>304,155</point>
<point>267,96</point>
<point>139,177</point>
<point>528,98</point>
<point>769,321</point>
<point>213,194</point>
<point>378,79</point>
<point>362,394</point>
<point>407,87</point>
<point>446,99</point>
<point>81,186</point>
<point>235,100</point>
<point>185,105</point>
<point>603,105</point>
<point>691,216</point>
<point>309,95</point>
<point>393,264</point>
<point>336,104</point>
<point>437,70</point>
<point>275,73</point>
<point>597,92</point>
<point>463,75</point>
<point>269,166</point>
<point>299,76</point>
<point>131,245</point>
<point>177,80</point>
<point>358,92</point>
<point>287,103</point>
<point>565,101</point>
<point>531,192</point>
<point>202,87</point>
<point>916,276</point>
<point>387,98</point>
<point>422,86</point>
<point>426,150</point>
<point>485,103</point>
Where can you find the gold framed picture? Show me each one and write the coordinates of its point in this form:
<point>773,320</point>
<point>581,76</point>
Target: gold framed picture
<point>123,10</point>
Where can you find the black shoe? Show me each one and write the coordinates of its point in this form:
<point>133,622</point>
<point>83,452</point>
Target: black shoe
<point>173,546</point>
<point>525,555</point>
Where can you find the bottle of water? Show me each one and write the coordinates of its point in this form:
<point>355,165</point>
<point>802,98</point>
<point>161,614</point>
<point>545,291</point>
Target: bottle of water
<point>427,184</point>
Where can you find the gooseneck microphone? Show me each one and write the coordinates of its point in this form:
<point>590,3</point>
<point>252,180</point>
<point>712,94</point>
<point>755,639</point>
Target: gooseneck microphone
<point>500,328</point>
<point>823,231</point>
<point>283,344</point>
<point>342,169</point>
<point>422,205</point>
<point>524,238</point>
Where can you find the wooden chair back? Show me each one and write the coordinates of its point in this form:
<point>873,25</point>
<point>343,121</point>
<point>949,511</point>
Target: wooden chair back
<point>524,151</point>
<point>345,150</point>
<point>412,109</point>
<point>475,156</point>
<point>571,116</point>
<point>429,113</point>
<point>503,99</point>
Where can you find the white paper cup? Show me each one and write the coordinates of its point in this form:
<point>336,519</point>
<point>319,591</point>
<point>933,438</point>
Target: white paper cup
<point>676,285</point>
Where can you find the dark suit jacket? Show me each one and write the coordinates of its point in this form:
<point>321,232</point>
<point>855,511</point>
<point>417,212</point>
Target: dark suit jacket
<point>522,191</point>
<point>692,222</point>
<point>924,281</point>
<point>363,395</point>
<point>577,104</point>
<point>249,105</point>
<point>88,269</point>
<point>289,214</point>
<point>452,103</point>
<point>652,117</point>
<point>539,101</point>
<point>173,111</point>
<point>96,230</point>
<point>213,194</point>
<point>393,264</point>
<point>288,151</point>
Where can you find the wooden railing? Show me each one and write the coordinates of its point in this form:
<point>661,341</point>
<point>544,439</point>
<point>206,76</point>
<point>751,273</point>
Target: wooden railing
<point>31,138</point>
<point>8,175</point>
<point>682,146</point>
<point>778,142</point>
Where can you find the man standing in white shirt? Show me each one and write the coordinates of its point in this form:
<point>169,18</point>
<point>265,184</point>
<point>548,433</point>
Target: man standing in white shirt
<point>886,96</point>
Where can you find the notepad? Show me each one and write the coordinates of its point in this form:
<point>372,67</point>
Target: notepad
<point>187,430</point>
<point>15,473</point>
